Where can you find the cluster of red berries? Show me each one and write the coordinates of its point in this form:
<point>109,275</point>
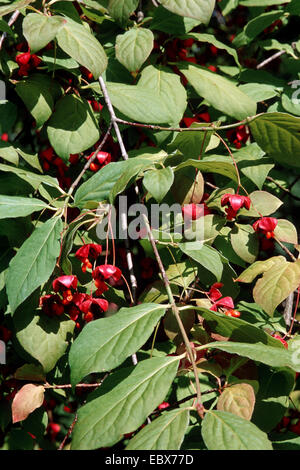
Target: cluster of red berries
<point>102,159</point>
<point>27,62</point>
<point>238,136</point>
<point>66,299</point>
<point>234,203</point>
<point>226,304</point>
<point>51,161</point>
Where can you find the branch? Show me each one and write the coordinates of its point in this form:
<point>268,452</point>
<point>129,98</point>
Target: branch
<point>11,21</point>
<point>288,310</point>
<point>68,433</point>
<point>175,310</point>
<point>270,59</point>
<point>90,160</point>
<point>187,129</point>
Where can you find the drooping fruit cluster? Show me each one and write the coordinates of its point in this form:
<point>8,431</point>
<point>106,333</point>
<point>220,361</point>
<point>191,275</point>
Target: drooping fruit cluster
<point>226,304</point>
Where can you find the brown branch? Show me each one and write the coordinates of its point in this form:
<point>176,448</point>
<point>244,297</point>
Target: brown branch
<point>68,433</point>
<point>187,129</point>
<point>11,21</point>
<point>90,160</point>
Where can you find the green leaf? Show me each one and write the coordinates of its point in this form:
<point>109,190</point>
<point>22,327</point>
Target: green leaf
<point>5,28</point>
<point>286,440</point>
<point>137,391</point>
<point>245,242</point>
<point>139,103</point>
<point>32,178</point>
<point>236,329</point>
<point>166,21</point>
<point>9,153</point>
<point>11,206</point>
<point>17,5</point>
<point>201,10</point>
<point>97,188</point>
<point>276,285</point>
<point>72,127</point>
<point>259,91</point>
<point>260,267</point>
<point>286,232</point>
<point>260,3</point>
<point>238,399</point>
<point>164,433</point>
<point>158,182</point>
<point>45,339</point>
<point>262,203</point>
<point>253,164</point>
<point>272,401</point>
<point>80,44</point>
<point>205,255</point>
<point>278,135</point>
<point>182,274</point>
<point>192,144</point>
<point>34,262</point>
<point>210,38</point>
<point>121,10</point>
<point>219,92</point>
<point>211,165</point>
<point>290,102</point>
<point>131,170</point>
<point>39,30</point>
<point>38,99</point>
<point>134,47</point>
<point>104,344</point>
<point>225,431</point>
<point>167,85</point>
<point>255,27</point>
<point>260,353</point>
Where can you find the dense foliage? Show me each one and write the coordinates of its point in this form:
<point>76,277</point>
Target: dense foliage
<point>119,329</point>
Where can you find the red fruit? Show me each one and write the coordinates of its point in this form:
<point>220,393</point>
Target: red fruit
<point>47,154</point>
<point>103,158</point>
<point>35,60</point>
<point>51,305</point>
<point>97,107</point>
<point>23,59</point>
<point>74,158</point>
<point>295,428</point>
<point>192,211</point>
<point>212,68</point>
<point>94,305</point>
<point>94,166</point>
<point>63,283</point>
<point>107,271</point>
<point>233,313</point>
<point>234,203</point>
<point>214,292</point>
<point>163,405</point>
<point>266,226</point>
<point>281,340</point>
<point>225,302</point>
<point>88,317</point>
<point>23,70</point>
<point>90,250</point>
<point>213,50</point>
<point>188,42</point>
<point>4,137</point>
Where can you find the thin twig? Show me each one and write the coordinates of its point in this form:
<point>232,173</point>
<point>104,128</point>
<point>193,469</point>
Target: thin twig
<point>62,445</point>
<point>270,59</point>
<point>285,249</point>
<point>175,310</point>
<point>288,309</point>
<point>187,129</point>
<point>11,21</point>
<point>90,160</point>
